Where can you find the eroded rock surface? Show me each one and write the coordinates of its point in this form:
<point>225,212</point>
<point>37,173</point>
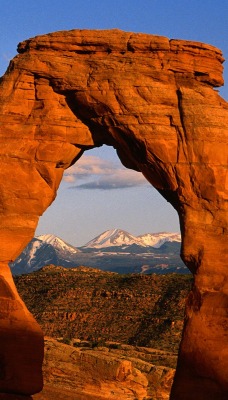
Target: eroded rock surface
<point>101,374</point>
<point>153,99</point>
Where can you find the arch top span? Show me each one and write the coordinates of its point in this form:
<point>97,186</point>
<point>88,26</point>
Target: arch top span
<point>203,60</point>
<point>153,100</point>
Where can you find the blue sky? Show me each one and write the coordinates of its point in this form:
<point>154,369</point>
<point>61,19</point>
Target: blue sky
<point>103,195</point>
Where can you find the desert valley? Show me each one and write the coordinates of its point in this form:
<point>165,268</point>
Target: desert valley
<point>123,320</point>
<point>108,335</point>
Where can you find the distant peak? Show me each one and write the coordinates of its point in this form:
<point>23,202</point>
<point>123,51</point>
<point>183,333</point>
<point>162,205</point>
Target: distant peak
<point>112,237</point>
<point>47,237</point>
<point>56,242</point>
<point>118,237</point>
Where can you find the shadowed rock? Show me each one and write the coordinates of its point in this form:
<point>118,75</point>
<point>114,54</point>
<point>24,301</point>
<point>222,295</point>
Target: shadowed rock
<point>152,99</point>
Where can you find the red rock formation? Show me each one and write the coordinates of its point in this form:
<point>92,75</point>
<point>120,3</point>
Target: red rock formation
<point>153,100</point>
<point>101,374</point>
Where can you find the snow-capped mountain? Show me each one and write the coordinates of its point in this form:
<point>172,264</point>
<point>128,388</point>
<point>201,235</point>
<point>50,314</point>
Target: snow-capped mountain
<point>58,243</point>
<point>36,254</point>
<point>113,237</point>
<point>44,250</point>
<point>114,250</point>
<point>118,237</point>
<point>158,239</point>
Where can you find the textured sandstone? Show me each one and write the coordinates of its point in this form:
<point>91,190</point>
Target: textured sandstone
<point>100,374</point>
<point>153,100</point>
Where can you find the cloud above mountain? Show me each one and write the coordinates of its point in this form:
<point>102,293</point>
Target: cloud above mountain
<point>92,172</point>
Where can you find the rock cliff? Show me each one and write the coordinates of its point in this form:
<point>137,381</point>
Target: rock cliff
<point>153,99</point>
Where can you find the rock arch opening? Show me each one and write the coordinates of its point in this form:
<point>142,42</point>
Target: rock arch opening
<point>153,100</point>
<point>93,190</point>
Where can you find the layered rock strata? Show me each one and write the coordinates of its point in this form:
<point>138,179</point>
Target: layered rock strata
<point>152,99</point>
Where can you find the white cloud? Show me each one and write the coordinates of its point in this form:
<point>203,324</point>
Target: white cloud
<point>92,172</point>
<point>90,165</point>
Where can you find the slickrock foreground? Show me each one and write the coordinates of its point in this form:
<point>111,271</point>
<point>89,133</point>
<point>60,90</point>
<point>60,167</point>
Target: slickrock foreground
<point>102,374</point>
<point>153,100</point>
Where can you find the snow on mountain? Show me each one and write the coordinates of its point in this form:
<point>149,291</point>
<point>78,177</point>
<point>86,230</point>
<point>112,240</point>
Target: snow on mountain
<point>115,250</point>
<point>57,243</point>
<point>44,250</point>
<point>113,237</point>
<point>34,247</point>
<point>36,254</point>
<point>158,239</point>
<point>118,237</point>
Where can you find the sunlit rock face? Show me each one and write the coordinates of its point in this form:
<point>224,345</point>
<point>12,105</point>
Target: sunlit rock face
<point>153,99</point>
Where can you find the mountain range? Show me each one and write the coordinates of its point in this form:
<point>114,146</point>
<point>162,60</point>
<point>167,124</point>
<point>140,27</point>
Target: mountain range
<point>118,237</point>
<point>114,250</point>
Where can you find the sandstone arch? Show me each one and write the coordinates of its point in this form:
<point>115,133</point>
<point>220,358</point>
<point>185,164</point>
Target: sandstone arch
<point>153,99</point>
